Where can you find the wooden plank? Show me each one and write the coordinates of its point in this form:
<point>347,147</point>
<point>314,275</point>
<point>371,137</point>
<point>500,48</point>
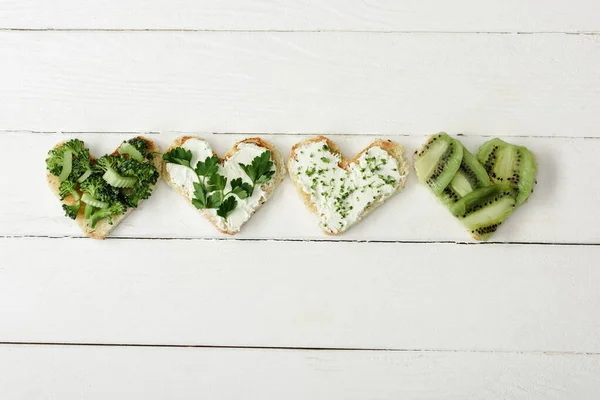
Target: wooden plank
<point>563,208</point>
<point>377,15</point>
<point>543,85</point>
<point>68,373</point>
<point>343,295</point>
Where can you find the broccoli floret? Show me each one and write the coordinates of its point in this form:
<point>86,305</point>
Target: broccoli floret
<point>146,175</point>
<point>140,144</point>
<point>71,211</point>
<point>110,166</point>
<point>107,192</point>
<point>107,213</point>
<point>80,159</point>
<point>106,162</point>
<point>81,164</point>
<point>99,189</point>
<point>134,178</point>
<point>91,185</point>
<point>54,162</point>
<point>67,188</point>
<point>75,145</point>
<point>133,196</point>
<point>145,172</point>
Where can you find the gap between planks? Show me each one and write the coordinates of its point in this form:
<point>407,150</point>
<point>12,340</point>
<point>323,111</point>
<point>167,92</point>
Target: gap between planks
<point>294,348</point>
<point>312,240</point>
<point>335,134</point>
<point>402,32</point>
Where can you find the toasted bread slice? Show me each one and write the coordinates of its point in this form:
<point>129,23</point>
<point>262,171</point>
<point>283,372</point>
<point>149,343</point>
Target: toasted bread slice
<point>268,188</point>
<point>393,149</point>
<point>103,228</point>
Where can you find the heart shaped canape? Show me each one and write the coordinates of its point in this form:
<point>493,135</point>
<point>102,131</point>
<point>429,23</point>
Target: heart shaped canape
<point>483,191</point>
<point>340,191</point>
<point>227,191</point>
<point>100,193</point>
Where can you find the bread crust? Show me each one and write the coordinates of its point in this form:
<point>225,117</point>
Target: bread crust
<point>103,228</point>
<point>268,188</point>
<point>392,148</point>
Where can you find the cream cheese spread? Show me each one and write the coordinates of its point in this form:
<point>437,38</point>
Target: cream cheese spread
<point>342,195</point>
<point>184,178</point>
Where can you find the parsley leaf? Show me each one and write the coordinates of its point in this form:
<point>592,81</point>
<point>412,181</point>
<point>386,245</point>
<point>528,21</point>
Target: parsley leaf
<point>241,189</point>
<point>199,199</point>
<point>228,205</point>
<point>264,178</point>
<point>180,156</point>
<point>214,200</point>
<point>208,167</point>
<point>260,170</point>
<point>216,182</point>
<point>209,191</point>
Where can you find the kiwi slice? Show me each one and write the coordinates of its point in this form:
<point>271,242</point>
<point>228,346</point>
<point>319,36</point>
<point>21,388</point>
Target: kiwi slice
<point>483,210</point>
<point>438,161</point>
<point>507,163</point>
<point>470,176</point>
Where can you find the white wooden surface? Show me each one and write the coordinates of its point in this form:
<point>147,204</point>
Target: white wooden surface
<point>303,294</point>
<point>413,215</point>
<point>302,15</point>
<point>402,306</point>
<point>298,82</point>
<point>184,373</point>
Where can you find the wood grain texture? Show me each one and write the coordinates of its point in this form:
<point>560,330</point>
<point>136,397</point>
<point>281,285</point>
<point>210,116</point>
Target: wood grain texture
<point>342,295</point>
<point>448,321</point>
<point>350,15</point>
<point>562,201</point>
<point>540,85</point>
<point>68,373</point>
